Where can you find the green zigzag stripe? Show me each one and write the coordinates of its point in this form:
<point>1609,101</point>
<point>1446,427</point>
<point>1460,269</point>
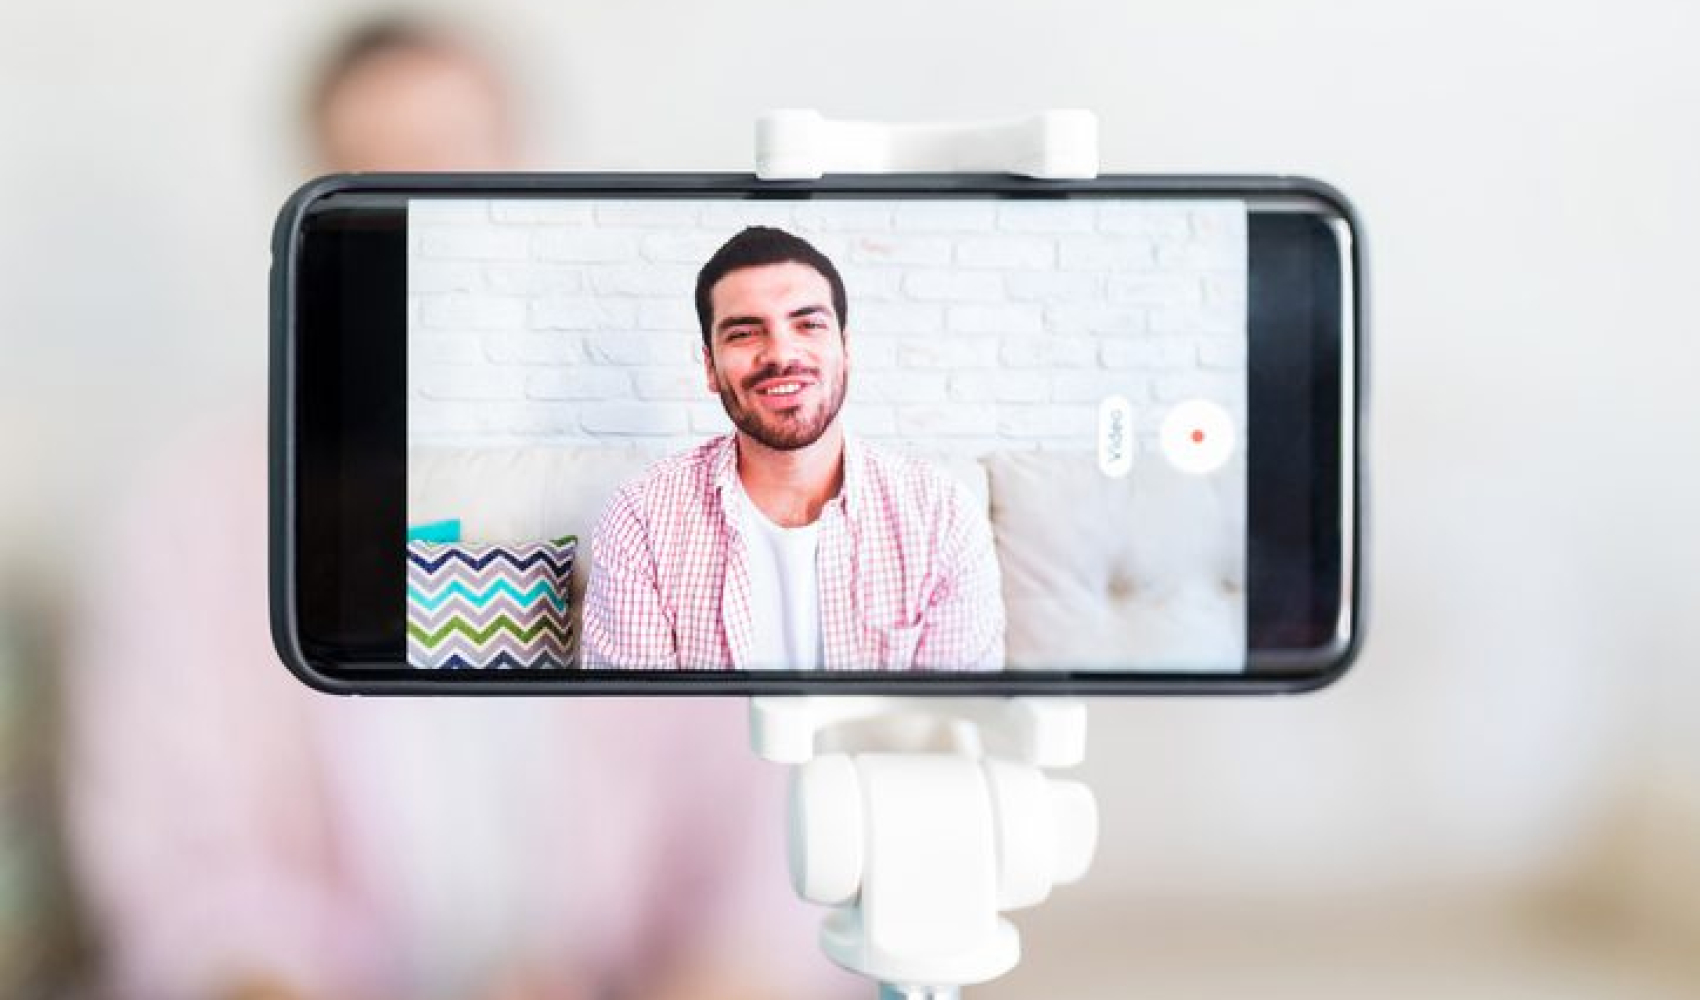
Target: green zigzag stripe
<point>483,635</point>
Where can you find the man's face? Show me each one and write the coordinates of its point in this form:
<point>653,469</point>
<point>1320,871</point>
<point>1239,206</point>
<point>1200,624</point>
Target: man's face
<point>776,353</point>
<point>418,108</point>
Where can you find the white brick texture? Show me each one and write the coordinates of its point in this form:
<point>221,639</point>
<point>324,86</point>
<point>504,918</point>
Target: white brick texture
<point>974,325</point>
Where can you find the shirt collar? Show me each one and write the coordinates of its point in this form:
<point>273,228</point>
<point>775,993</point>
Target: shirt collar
<point>855,464</point>
<point>724,469</point>
<point>723,463</point>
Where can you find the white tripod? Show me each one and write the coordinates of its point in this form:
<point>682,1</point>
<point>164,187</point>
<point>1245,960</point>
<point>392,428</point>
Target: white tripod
<point>920,820</point>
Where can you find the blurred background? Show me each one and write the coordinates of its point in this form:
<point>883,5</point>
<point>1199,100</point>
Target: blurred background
<point>1502,799</point>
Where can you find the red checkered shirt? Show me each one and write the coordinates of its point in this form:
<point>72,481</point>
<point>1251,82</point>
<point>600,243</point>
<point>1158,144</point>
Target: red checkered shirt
<point>908,578</point>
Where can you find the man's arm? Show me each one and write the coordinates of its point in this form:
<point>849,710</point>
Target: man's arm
<point>626,625</point>
<point>963,625</point>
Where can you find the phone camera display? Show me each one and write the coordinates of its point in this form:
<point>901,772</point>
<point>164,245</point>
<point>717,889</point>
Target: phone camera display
<point>901,435</point>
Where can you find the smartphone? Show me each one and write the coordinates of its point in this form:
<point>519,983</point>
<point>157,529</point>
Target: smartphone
<point>628,434</point>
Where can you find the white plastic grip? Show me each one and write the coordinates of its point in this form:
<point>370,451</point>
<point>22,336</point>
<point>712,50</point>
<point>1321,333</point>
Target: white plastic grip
<point>827,833</point>
<point>918,853</point>
<point>1076,815</point>
<point>1045,732</point>
<point>801,144</point>
<point>927,907</point>
<point>1047,832</point>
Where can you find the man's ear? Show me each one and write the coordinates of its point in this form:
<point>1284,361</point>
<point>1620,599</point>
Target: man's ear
<point>708,370</point>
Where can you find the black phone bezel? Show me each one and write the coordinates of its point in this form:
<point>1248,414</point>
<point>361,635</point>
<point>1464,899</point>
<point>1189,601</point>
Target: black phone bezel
<point>1268,671</point>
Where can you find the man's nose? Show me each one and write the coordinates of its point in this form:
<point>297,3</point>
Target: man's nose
<point>781,347</point>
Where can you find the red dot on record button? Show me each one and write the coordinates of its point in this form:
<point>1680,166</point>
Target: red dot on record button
<point>1197,437</point>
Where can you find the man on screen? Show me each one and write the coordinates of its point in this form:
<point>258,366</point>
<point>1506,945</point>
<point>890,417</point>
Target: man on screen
<point>787,544</point>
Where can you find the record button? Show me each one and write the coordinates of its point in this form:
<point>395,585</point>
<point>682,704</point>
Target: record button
<point>1197,437</point>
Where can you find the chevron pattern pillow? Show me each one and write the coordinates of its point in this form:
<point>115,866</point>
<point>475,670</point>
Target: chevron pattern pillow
<point>478,606</point>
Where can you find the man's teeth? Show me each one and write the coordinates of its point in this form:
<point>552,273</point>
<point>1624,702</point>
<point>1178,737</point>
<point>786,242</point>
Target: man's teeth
<point>786,389</point>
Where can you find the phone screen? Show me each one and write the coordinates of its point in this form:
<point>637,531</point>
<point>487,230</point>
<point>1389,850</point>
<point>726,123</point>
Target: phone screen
<point>830,434</point>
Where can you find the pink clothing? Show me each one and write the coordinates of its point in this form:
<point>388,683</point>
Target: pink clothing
<point>229,822</point>
<point>908,577</point>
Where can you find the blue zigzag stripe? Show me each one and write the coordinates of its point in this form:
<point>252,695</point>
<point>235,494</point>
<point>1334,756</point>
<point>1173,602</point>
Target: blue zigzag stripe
<point>544,590</point>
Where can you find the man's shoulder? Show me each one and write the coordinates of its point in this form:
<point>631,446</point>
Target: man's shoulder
<point>894,463</point>
<point>678,476</point>
<point>896,473</point>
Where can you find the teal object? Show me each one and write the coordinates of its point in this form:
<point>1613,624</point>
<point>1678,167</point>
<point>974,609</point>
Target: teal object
<point>435,531</point>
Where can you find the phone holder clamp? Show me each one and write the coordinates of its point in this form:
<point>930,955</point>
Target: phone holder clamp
<point>799,144</point>
<point>920,820</point>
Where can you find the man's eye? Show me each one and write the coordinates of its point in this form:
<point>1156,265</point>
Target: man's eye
<point>814,324</point>
<point>737,334</point>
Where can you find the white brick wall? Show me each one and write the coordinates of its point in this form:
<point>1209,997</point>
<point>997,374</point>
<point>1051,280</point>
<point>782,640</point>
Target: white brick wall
<point>973,325</point>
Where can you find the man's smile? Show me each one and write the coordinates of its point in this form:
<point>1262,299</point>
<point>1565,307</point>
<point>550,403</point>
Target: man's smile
<point>782,389</point>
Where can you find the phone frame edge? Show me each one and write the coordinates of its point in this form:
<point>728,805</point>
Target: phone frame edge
<point>1334,661</point>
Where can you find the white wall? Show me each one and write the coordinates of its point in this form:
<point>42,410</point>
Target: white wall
<point>1526,172</point>
<point>973,326</point>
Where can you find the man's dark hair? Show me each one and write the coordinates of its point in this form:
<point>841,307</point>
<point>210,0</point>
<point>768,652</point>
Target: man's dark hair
<point>759,246</point>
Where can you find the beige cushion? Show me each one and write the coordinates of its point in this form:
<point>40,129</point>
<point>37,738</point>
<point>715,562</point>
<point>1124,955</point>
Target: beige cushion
<point>1101,573</point>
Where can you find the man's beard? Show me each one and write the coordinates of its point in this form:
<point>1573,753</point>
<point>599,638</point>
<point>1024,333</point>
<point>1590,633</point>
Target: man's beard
<point>786,432</point>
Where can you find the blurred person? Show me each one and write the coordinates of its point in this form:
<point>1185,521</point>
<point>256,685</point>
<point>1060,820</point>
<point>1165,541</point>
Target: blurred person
<point>400,95</point>
<point>239,836</point>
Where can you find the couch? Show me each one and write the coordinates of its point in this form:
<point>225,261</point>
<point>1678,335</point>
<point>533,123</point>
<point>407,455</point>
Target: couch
<point>1097,572</point>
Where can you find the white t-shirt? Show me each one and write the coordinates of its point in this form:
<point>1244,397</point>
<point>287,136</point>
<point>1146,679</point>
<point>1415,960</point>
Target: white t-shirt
<point>784,592</point>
